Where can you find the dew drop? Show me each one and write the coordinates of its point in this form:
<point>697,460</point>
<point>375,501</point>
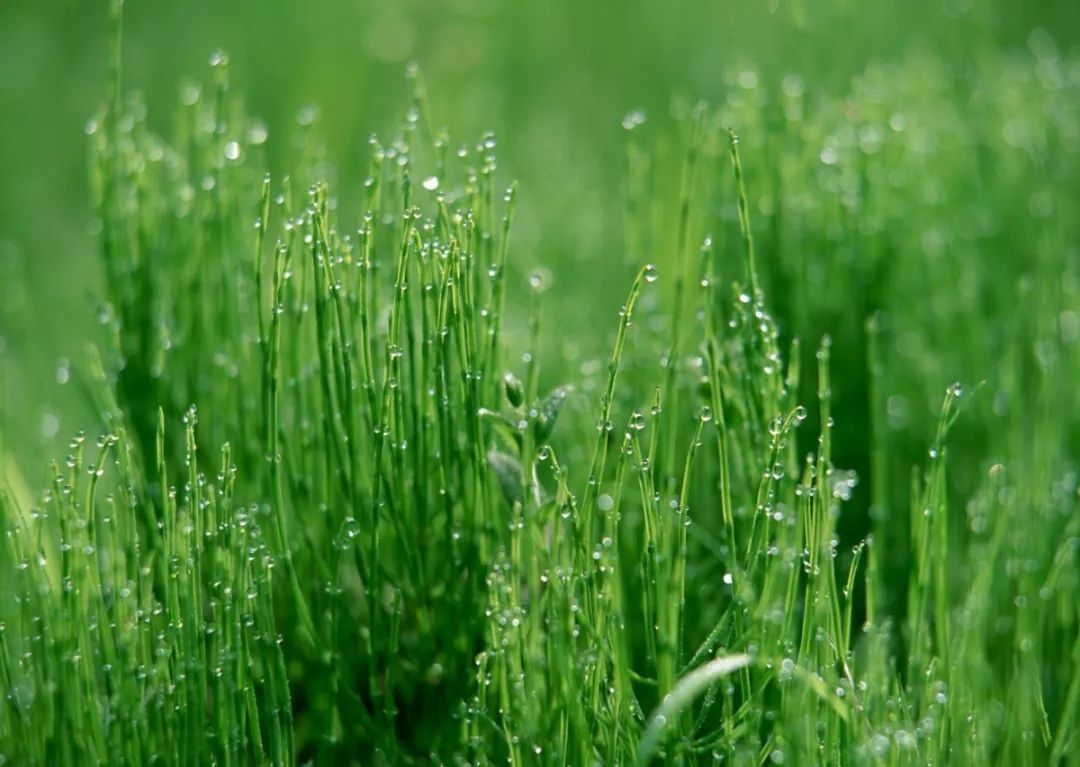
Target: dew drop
<point>633,119</point>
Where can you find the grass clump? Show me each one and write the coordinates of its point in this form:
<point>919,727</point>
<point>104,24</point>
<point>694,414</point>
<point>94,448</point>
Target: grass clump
<point>415,544</point>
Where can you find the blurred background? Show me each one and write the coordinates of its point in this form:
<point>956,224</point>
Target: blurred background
<point>554,80</point>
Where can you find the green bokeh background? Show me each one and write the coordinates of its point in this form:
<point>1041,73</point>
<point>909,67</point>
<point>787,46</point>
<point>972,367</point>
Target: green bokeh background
<point>552,79</point>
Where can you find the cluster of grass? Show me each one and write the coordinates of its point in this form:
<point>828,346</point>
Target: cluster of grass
<point>354,507</point>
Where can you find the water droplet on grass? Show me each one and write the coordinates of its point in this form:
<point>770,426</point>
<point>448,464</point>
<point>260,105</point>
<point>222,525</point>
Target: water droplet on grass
<point>257,134</point>
<point>633,119</point>
<point>540,280</point>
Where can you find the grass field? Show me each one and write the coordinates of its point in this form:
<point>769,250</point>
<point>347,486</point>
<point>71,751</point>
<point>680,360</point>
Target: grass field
<point>645,430</point>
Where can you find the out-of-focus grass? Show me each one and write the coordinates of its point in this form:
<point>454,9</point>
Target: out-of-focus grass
<point>551,79</point>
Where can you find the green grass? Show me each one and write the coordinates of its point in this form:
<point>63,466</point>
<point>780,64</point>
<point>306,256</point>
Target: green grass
<point>374,492</point>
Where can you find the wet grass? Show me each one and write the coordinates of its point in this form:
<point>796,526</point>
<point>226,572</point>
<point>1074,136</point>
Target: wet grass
<point>359,503</point>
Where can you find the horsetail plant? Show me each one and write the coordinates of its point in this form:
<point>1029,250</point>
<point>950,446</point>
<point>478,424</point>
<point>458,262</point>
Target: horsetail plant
<point>341,514</point>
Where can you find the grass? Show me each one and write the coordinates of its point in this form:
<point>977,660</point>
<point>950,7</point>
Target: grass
<point>357,504</point>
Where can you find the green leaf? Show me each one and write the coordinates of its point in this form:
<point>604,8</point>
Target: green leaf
<point>685,691</point>
<point>514,389</point>
<point>504,427</point>
<point>549,411</point>
<point>507,470</point>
